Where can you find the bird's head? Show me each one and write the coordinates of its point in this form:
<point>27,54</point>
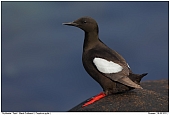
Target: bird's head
<point>87,24</point>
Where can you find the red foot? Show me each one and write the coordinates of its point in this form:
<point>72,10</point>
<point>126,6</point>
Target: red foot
<point>95,98</point>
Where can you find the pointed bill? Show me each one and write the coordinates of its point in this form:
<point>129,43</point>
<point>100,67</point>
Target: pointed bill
<point>70,24</point>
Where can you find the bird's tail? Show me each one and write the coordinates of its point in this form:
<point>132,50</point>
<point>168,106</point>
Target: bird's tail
<point>137,77</point>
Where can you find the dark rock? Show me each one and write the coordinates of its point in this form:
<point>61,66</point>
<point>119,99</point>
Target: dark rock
<point>159,86</point>
<point>153,98</point>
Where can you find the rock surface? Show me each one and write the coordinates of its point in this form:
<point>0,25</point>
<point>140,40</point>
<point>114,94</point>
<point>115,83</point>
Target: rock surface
<point>153,98</point>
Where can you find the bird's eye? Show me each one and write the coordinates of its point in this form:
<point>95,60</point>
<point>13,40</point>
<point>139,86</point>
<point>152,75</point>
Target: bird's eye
<point>84,21</point>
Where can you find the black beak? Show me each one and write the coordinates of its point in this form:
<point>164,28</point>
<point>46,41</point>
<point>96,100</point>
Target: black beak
<point>70,24</point>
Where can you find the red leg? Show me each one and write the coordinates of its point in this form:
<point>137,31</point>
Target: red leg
<point>94,99</point>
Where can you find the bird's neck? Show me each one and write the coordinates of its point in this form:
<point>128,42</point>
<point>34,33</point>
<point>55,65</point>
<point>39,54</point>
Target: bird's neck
<point>91,39</point>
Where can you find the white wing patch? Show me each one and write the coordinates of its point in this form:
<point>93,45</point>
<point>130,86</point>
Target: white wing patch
<point>105,66</point>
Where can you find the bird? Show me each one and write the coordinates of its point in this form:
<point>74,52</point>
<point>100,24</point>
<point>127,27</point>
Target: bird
<point>104,65</point>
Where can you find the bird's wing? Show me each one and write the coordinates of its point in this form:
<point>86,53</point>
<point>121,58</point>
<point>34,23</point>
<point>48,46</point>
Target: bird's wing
<point>115,71</point>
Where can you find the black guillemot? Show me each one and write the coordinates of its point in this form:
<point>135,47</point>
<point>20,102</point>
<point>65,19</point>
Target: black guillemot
<point>103,64</point>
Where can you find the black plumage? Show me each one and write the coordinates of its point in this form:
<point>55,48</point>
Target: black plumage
<point>119,80</point>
